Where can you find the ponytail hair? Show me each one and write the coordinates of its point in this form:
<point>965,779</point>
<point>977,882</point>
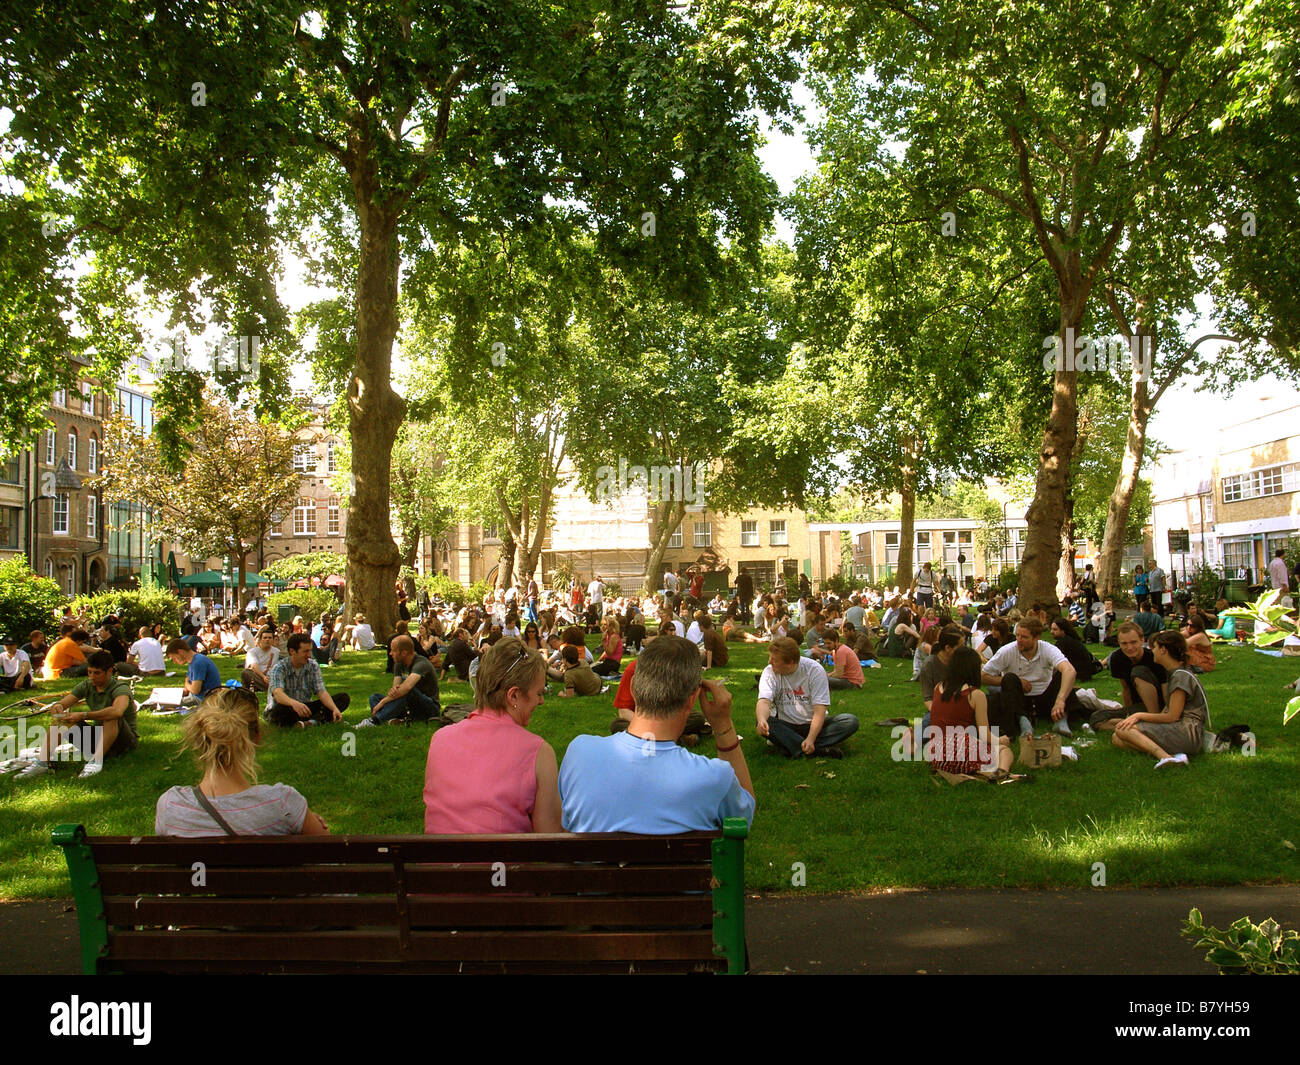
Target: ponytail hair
<point>223,732</point>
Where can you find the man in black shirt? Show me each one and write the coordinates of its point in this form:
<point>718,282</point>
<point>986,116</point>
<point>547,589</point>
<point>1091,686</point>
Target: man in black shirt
<point>36,649</point>
<point>459,655</point>
<point>1141,681</point>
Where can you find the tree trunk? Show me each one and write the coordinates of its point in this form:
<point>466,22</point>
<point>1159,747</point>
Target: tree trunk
<point>1046,514</point>
<point>1121,497</point>
<point>1065,573</point>
<point>375,413</point>
<point>668,516</point>
<point>506,564</point>
<point>240,582</point>
<point>529,548</point>
<point>906,528</point>
<point>410,548</point>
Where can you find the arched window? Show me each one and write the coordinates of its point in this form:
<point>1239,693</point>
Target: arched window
<point>92,454</point>
<point>72,448</point>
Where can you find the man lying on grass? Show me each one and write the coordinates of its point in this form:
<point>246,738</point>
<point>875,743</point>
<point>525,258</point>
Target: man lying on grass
<point>110,713</point>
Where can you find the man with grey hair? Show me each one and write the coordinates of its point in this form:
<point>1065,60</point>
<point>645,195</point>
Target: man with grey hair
<point>640,780</point>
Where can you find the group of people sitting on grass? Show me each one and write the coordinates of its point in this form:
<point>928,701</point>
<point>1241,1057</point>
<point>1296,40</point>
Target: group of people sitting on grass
<point>1163,711</point>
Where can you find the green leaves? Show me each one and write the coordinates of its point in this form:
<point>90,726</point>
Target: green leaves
<point>1264,949</point>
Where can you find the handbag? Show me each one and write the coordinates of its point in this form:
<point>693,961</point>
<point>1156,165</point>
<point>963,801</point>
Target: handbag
<point>1041,752</point>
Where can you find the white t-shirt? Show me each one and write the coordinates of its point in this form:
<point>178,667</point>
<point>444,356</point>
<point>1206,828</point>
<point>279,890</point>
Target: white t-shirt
<point>10,664</point>
<point>149,655</point>
<point>695,634</point>
<point>595,591</point>
<point>793,696</point>
<point>256,658</point>
<point>670,581</point>
<point>364,635</point>
<point>1037,670</point>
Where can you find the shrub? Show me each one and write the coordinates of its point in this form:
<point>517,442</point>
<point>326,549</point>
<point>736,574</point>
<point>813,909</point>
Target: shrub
<point>839,584</point>
<point>150,607</point>
<point>311,603</point>
<point>1006,580</point>
<point>1246,948</point>
<point>27,601</point>
<point>562,576</point>
<point>1205,585</point>
<point>476,591</point>
<point>613,589</point>
<point>439,584</point>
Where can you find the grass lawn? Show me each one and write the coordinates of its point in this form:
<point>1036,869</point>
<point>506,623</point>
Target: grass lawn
<point>861,823</point>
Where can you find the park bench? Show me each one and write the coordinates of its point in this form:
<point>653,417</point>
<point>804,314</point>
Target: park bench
<point>601,902</point>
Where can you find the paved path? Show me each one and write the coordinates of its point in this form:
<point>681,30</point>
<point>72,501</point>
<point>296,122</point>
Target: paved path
<point>960,931</point>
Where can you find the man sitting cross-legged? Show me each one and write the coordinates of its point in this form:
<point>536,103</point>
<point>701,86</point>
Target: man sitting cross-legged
<point>259,661</point>
<point>1034,678</point>
<point>640,780</point>
<point>110,713</point>
<point>1141,680</point>
<point>414,694</point>
<point>15,667</point>
<point>298,696</point>
<point>794,700</point>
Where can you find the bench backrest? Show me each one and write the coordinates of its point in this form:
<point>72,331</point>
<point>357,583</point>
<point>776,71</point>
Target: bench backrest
<point>516,903</point>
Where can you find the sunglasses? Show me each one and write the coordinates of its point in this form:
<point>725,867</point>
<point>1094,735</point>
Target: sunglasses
<point>523,656</point>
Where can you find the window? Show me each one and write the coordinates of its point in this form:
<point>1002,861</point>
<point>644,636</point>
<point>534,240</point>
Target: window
<point>277,519</point>
<point>92,515</point>
<point>92,454</point>
<point>332,518</point>
<point>72,448</point>
<point>9,519</point>
<point>49,569</point>
<point>703,534</point>
<point>304,518</point>
<point>959,542</point>
<point>490,531</point>
<point>11,471</point>
<point>304,458</point>
<point>138,408</point>
<point>69,585</point>
<point>49,447</point>
<point>61,514</point>
<point>1237,553</point>
<point>1269,481</point>
<point>331,458</point>
<point>776,535</point>
<point>891,549</point>
<point>676,539</point>
<point>61,397</point>
<point>87,398</point>
<point>749,534</point>
<point>922,548</point>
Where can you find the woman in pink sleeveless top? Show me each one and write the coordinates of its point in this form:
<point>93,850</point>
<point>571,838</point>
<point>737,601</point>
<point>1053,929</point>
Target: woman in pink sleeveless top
<point>488,774</point>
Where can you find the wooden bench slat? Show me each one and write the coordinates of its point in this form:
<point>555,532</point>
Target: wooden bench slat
<point>539,967</point>
<point>555,878</point>
<point>425,912</point>
<point>363,946</point>
<point>300,850</point>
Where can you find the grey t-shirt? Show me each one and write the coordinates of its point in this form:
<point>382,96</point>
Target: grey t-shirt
<point>262,810</point>
<point>932,671</point>
<point>428,682</point>
<point>1196,710</point>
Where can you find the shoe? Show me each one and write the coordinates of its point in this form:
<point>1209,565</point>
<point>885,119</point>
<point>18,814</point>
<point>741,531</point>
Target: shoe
<point>369,722</point>
<point>308,723</point>
<point>1178,759</point>
<point>830,752</point>
<point>36,769</point>
<point>1026,729</point>
<point>90,769</point>
<point>1063,727</point>
<point>14,765</point>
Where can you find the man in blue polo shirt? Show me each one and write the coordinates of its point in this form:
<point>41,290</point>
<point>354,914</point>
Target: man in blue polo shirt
<point>201,675</point>
<point>640,780</point>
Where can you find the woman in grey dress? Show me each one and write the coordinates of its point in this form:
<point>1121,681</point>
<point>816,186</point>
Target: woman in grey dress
<point>1173,735</point>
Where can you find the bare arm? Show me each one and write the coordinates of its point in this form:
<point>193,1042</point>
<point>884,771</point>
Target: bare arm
<point>546,805</point>
<point>314,825</point>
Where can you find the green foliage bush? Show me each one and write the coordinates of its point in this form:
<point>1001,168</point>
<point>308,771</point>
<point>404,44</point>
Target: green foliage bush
<point>27,601</point>
<point>1006,580</point>
<point>476,591</point>
<point>439,584</point>
<point>839,584</point>
<point>562,576</point>
<point>149,606</point>
<point>1245,948</point>
<point>1205,584</point>
<point>303,567</point>
<point>311,603</point>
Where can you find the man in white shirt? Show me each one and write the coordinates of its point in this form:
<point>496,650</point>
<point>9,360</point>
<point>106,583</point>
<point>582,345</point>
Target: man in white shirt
<point>1034,678</point>
<point>794,699</point>
<point>259,661</point>
<point>363,636</point>
<point>1278,578</point>
<point>596,592</point>
<point>15,667</point>
<point>146,654</point>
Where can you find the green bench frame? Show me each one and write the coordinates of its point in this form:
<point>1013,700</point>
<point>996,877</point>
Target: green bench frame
<point>600,902</point>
